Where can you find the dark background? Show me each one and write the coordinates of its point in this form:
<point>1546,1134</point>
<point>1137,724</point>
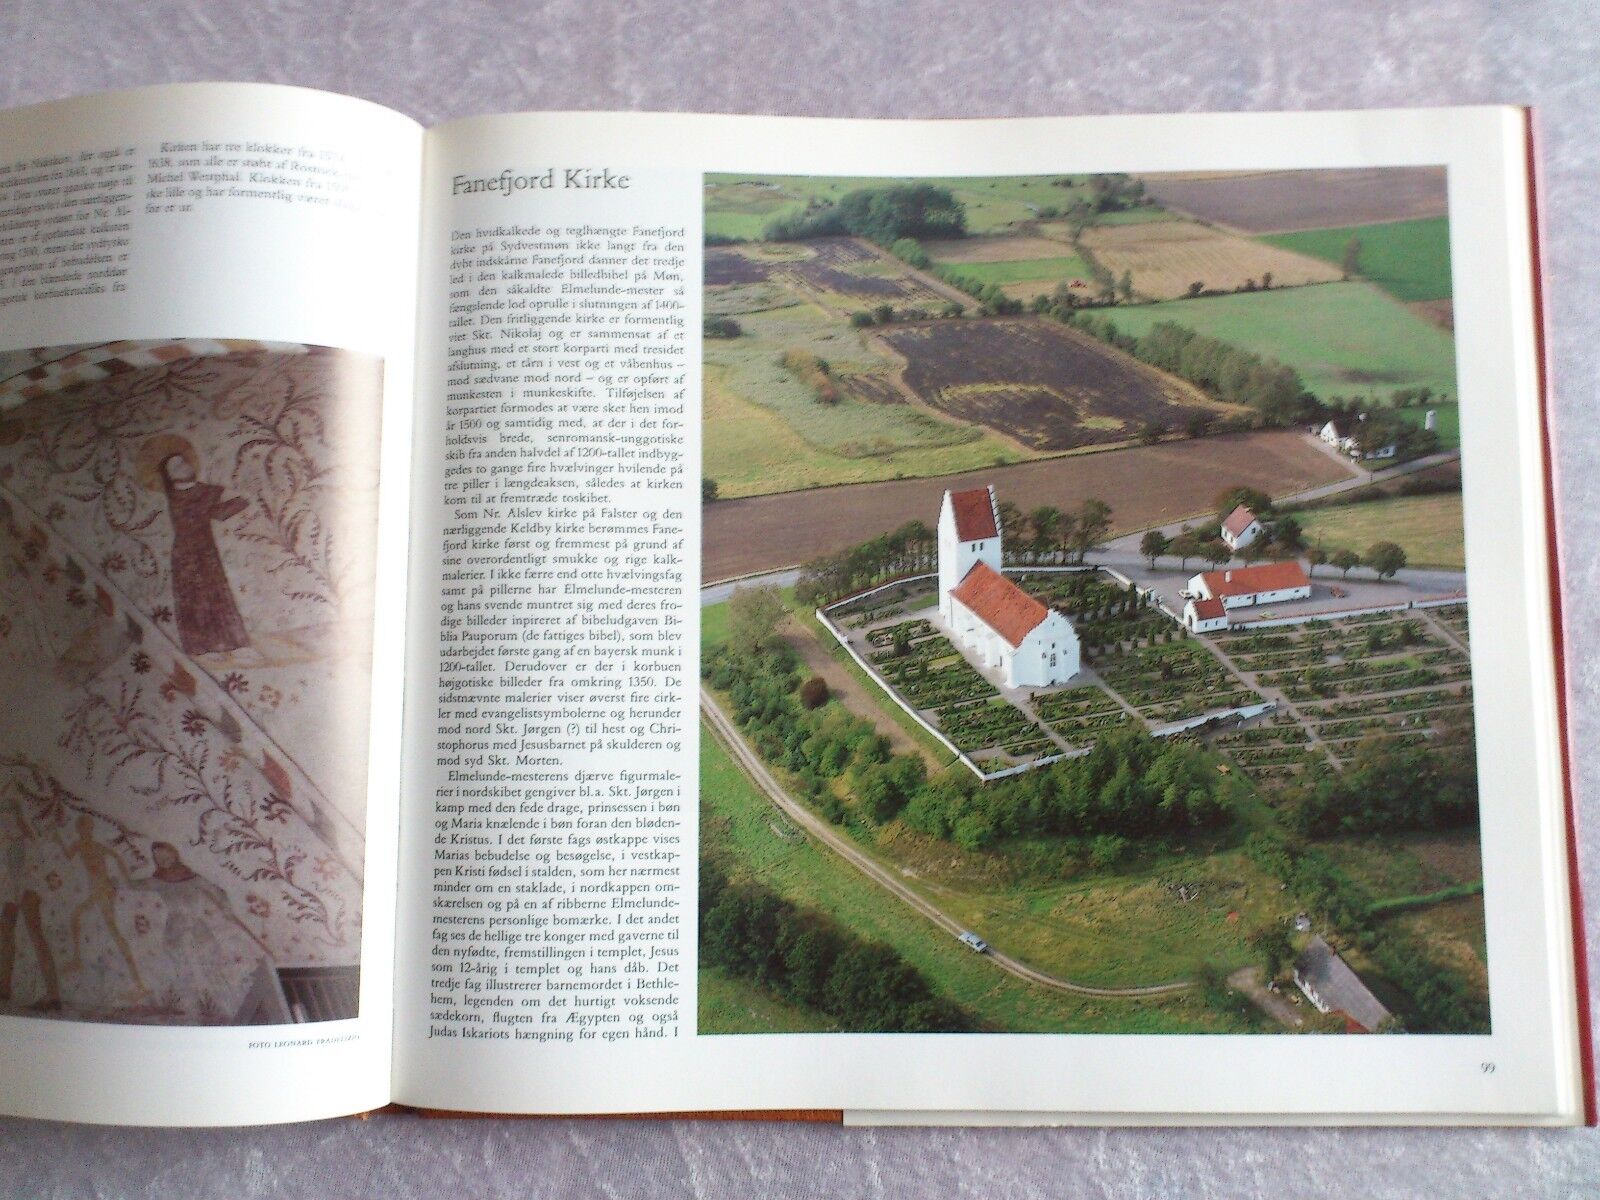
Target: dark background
<point>827,58</point>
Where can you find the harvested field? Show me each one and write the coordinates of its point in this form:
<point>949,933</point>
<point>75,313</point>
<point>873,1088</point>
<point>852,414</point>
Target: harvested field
<point>1166,257</point>
<point>992,249</point>
<point>842,272</point>
<point>1145,485</point>
<point>1280,201</point>
<point>875,389</point>
<point>724,267</point>
<point>1038,382</point>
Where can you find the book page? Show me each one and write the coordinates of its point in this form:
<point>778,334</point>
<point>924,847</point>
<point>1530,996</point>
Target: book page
<point>204,439</point>
<point>1119,623</point>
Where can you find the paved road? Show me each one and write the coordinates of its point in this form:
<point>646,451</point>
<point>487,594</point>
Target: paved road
<point>842,846</point>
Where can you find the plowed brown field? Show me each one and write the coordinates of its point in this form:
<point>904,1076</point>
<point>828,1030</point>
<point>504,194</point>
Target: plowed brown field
<point>1145,485</point>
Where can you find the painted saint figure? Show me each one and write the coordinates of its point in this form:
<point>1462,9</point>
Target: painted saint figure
<point>19,899</point>
<point>207,616</point>
<point>193,905</point>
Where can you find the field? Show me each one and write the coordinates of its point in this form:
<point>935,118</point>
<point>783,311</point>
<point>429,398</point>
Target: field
<point>1427,528</point>
<point>741,205</point>
<point>742,830</point>
<point>1145,485</point>
<point>1037,382</point>
<point>1408,259</point>
<point>1166,257</point>
<point>1344,338</point>
<point>1280,201</point>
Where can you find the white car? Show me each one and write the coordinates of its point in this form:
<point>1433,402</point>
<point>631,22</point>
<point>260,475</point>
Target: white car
<point>975,943</point>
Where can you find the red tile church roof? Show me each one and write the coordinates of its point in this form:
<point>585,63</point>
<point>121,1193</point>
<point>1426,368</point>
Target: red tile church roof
<point>999,603</point>
<point>974,511</point>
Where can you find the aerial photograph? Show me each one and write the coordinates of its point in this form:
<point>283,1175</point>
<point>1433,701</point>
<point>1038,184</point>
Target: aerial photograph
<point>1084,624</point>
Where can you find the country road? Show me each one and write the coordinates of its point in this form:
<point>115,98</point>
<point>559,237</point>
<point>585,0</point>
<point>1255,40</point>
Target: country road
<point>841,845</point>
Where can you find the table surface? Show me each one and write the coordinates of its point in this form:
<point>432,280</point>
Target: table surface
<point>832,58</point>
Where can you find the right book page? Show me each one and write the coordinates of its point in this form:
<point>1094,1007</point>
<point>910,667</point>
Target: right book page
<point>1117,606</point>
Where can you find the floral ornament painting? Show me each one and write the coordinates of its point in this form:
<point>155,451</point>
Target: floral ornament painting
<point>187,531</point>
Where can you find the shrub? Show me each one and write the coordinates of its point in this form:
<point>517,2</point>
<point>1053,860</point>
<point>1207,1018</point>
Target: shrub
<point>814,692</point>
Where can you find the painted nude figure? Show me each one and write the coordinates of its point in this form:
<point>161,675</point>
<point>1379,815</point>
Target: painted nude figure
<point>208,618</point>
<point>19,899</point>
<point>98,862</point>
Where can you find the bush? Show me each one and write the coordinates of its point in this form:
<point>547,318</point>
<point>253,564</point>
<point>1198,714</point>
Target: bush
<point>720,327</point>
<point>814,692</point>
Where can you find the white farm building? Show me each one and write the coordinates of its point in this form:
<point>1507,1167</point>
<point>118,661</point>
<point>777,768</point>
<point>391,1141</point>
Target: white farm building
<point>993,619</point>
<point>1240,528</point>
<point>1269,583</point>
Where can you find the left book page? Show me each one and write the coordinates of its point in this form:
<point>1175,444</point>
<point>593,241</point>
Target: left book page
<point>206,346</point>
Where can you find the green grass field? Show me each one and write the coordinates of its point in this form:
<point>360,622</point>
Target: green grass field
<point>765,430</point>
<point>1408,259</point>
<point>1024,271</point>
<point>742,830</point>
<point>1345,339</point>
<point>1427,528</point>
<point>1447,425</point>
<point>740,205</point>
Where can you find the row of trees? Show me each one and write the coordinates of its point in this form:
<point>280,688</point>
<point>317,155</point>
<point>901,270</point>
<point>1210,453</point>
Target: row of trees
<point>884,215</point>
<point>813,961</point>
<point>1129,786</point>
<point>1388,787</point>
<point>1045,535</point>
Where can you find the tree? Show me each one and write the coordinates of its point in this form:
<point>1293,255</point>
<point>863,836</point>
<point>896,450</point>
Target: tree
<point>1288,535</point>
<point>1385,558</point>
<point>753,618</point>
<point>1125,286</point>
<point>860,319</point>
<point>1151,432</point>
<point>1272,947</point>
<point>1256,501</point>
<point>1216,552</point>
<point>1153,545</point>
<point>1198,424</point>
<point>1350,264</point>
<point>1196,288</point>
<point>1186,546</point>
<point>1090,528</point>
<point>883,314</point>
<point>708,489</point>
<point>814,692</point>
<point>1315,556</point>
<point>1345,560</point>
<point>1045,522</point>
<point>1266,280</point>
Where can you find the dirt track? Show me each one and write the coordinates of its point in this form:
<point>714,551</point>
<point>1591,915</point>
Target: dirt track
<point>1145,485</point>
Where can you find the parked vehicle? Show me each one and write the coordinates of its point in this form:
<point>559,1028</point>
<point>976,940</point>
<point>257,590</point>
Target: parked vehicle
<point>974,943</point>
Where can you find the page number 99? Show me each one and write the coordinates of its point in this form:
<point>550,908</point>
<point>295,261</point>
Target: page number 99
<point>1487,1068</point>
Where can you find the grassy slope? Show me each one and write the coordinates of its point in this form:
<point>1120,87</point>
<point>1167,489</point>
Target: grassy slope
<point>1343,338</point>
<point>1408,259</point>
<point>1427,528</point>
<point>1448,425</point>
<point>737,824</point>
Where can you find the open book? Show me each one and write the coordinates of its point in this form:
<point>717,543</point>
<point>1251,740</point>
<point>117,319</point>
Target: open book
<point>1041,620</point>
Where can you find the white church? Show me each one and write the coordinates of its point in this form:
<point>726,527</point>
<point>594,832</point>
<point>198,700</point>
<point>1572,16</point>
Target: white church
<point>993,619</point>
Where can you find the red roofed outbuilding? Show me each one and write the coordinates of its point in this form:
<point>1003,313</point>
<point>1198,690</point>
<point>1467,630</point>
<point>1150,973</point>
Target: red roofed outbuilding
<point>1269,583</point>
